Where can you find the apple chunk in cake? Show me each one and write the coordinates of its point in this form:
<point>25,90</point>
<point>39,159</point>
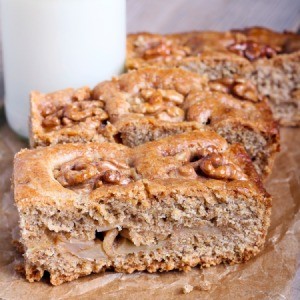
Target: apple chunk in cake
<point>170,204</point>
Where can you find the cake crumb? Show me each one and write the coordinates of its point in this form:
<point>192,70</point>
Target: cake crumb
<point>187,288</point>
<point>205,286</point>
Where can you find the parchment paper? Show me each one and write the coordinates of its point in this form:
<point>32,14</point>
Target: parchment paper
<point>271,275</point>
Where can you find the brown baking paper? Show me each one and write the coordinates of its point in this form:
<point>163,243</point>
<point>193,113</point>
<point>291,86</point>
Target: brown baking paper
<point>270,275</point>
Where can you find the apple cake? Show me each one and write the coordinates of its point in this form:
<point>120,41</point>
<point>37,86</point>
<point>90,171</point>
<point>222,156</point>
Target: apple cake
<point>152,103</point>
<point>174,203</point>
<point>68,116</point>
<point>149,104</point>
<point>271,60</point>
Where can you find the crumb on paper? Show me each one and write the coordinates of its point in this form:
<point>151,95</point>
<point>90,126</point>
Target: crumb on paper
<point>205,286</point>
<point>187,288</point>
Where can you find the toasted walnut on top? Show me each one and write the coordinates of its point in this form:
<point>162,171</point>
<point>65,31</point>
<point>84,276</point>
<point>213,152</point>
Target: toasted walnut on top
<point>254,50</point>
<point>85,174</point>
<point>206,163</point>
<point>238,87</point>
<point>159,103</point>
<point>174,47</point>
<point>80,108</point>
<point>157,48</point>
<point>219,166</point>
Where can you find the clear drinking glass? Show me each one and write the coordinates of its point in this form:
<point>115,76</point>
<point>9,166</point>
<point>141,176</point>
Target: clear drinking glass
<point>55,44</point>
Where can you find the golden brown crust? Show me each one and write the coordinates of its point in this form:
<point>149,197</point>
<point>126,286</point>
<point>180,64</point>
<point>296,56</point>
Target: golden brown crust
<point>34,170</point>
<point>258,54</point>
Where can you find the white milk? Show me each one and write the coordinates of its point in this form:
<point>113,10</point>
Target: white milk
<point>55,44</point>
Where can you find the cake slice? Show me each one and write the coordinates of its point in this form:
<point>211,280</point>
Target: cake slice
<point>170,204</point>
<point>152,103</point>
<point>68,116</point>
<point>271,60</point>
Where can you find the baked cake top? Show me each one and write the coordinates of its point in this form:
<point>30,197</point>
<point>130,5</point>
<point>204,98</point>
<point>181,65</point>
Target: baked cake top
<point>161,95</point>
<point>63,175</point>
<point>249,44</point>
<point>175,95</point>
<point>68,115</point>
<point>78,115</point>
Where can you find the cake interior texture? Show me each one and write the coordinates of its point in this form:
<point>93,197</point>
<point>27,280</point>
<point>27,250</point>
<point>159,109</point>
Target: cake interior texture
<point>174,203</point>
<point>271,60</point>
<point>279,80</point>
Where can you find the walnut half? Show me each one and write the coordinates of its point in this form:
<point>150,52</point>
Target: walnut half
<point>86,174</point>
<point>238,87</point>
<point>159,103</point>
<point>253,50</point>
<point>219,167</point>
<point>56,117</point>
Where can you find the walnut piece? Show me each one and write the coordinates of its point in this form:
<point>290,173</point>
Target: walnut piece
<point>253,50</point>
<point>171,114</point>
<point>161,104</point>
<point>57,116</point>
<point>85,174</point>
<point>205,162</point>
<point>161,49</point>
<point>238,87</point>
<point>79,111</point>
<point>76,171</point>
<point>219,167</point>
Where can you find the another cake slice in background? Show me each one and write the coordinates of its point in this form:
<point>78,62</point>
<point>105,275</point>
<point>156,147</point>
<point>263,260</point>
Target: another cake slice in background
<point>152,103</point>
<point>170,204</point>
<point>271,60</point>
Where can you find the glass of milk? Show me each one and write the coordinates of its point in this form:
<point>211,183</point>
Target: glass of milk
<point>55,44</point>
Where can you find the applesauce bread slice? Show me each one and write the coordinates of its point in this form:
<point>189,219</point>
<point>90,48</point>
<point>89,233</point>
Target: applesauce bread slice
<point>170,204</point>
